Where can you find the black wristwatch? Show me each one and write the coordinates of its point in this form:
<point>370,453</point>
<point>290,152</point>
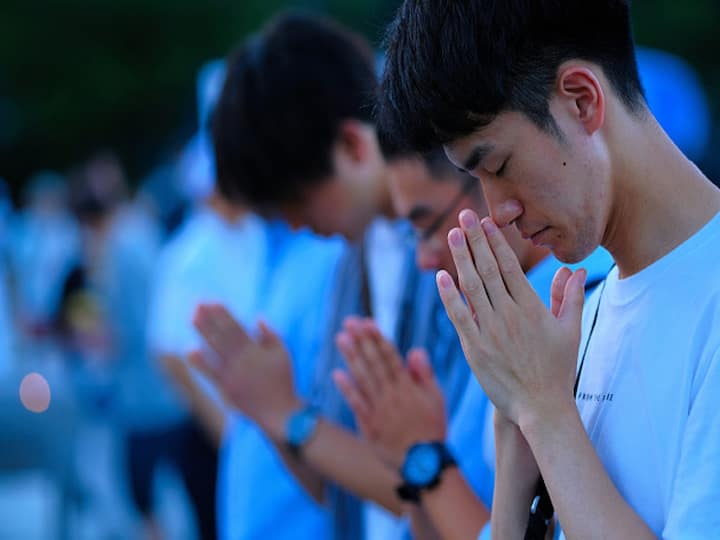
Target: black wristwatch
<point>423,468</point>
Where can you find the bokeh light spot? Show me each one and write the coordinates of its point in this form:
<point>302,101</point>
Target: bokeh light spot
<point>35,393</point>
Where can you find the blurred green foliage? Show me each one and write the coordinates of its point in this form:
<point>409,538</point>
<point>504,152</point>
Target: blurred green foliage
<point>78,75</point>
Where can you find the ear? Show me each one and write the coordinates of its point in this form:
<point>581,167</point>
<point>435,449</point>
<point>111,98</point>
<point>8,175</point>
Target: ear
<point>583,93</point>
<point>352,140</point>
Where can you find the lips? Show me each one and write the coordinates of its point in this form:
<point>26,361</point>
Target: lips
<point>534,237</point>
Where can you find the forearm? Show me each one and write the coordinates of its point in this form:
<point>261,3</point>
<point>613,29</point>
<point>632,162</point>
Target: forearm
<point>421,526</point>
<point>311,481</point>
<point>206,411</point>
<point>587,503</point>
<point>341,457</point>
<point>454,509</point>
<point>516,477</point>
<point>350,462</point>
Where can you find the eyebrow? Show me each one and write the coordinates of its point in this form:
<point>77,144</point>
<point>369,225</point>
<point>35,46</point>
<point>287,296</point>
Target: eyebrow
<point>478,154</point>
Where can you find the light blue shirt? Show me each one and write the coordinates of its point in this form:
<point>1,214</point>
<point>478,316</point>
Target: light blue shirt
<point>257,496</point>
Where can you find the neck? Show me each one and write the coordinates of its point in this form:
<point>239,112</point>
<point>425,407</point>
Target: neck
<point>658,202</point>
<point>229,212</point>
<point>534,257</point>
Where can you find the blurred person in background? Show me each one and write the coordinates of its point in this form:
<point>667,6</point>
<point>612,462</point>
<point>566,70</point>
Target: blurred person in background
<point>399,408</point>
<point>219,253</point>
<point>43,245</point>
<point>105,316</point>
<point>323,169</point>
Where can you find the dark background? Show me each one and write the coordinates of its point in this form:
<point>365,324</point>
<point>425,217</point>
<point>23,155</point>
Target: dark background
<point>82,75</point>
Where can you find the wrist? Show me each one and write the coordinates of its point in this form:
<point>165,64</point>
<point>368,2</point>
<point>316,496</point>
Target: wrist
<point>538,422</point>
<point>274,420</point>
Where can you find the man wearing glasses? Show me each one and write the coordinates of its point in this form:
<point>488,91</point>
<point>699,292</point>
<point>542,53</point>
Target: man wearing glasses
<point>430,193</point>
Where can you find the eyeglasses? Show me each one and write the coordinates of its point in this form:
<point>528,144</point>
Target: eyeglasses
<point>421,236</point>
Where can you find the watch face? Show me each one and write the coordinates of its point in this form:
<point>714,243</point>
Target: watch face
<point>422,465</point>
<point>301,426</point>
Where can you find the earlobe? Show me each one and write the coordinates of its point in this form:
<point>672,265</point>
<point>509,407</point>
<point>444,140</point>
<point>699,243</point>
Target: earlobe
<point>584,94</point>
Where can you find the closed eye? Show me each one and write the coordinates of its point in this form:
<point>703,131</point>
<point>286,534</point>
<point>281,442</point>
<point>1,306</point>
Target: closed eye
<point>502,169</point>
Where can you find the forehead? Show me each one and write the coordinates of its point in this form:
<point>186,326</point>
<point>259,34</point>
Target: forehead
<point>411,182</point>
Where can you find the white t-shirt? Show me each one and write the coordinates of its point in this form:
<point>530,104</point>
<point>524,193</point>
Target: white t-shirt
<point>649,389</point>
<point>387,260</point>
<point>209,260</point>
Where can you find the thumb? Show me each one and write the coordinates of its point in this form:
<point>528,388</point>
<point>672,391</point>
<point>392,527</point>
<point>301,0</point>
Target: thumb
<point>557,290</point>
<point>570,313</point>
<point>209,369</point>
<point>268,336</point>
<point>359,406</point>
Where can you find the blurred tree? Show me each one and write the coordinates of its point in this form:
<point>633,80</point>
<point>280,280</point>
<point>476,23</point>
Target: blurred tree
<point>76,75</point>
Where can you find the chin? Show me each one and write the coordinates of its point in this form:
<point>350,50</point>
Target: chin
<point>573,254</point>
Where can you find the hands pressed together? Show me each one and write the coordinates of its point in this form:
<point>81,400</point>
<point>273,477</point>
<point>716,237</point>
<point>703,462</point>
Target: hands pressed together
<point>395,405</point>
<point>523,355</point>
<point>253,374</point>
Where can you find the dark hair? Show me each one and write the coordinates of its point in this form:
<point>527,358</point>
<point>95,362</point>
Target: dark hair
<point>99,187</point>
<point>286,92</point>
<point>453,65</point>
<point>436,161</point>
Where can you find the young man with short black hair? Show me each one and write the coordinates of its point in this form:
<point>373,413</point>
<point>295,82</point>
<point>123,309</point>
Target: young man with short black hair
<point>542,102</point>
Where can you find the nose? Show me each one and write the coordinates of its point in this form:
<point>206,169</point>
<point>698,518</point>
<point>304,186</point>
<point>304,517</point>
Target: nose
<point>503,209</point>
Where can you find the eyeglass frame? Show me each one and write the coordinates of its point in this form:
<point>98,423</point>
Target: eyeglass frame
<point>425,235</point>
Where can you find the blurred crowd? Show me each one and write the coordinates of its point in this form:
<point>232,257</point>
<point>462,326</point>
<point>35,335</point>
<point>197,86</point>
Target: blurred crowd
<point>101,278</point>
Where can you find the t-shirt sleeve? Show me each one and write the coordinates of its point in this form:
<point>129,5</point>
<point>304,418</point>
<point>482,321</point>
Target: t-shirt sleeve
<point>693,510</point>
<point>169,319</point>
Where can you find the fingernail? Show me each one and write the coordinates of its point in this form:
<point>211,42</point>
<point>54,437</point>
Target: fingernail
<point>456,238</point>
<point>341,339</point>
<point>583,275</point>
<point>489,226</point>
<point>469,219</point>
<point>444,280</point>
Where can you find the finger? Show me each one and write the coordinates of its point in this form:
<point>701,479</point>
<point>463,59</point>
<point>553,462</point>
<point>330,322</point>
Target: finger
<point>512,273</point>
<point>207,367</point>
<point>220,330</point>
<point>557,291</point>
<point>418,365</point>
<point>358,370</point>
<point>485,263</point>
<point>468,277</point>
<point>458,312</point>
<point>351,323</point>
<point>571,309</point>
<point>370,356</point>
<point>355,400</point>
<point>422,372</point>
<point>391,361</point>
